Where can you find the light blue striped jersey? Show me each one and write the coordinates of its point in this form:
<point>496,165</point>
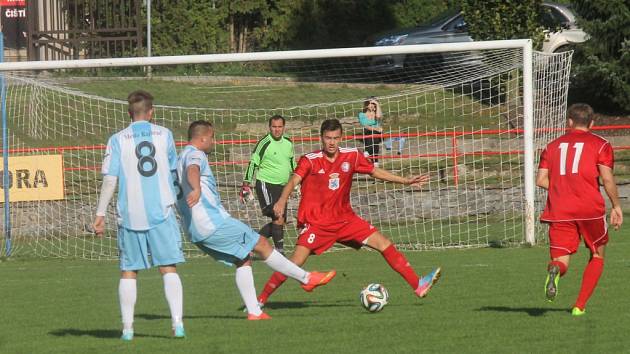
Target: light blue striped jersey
<point>208,214</point>
<point>144,159</point>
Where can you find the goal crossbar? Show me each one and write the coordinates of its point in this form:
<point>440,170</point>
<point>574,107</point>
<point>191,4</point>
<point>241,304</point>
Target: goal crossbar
<point>265,56</point>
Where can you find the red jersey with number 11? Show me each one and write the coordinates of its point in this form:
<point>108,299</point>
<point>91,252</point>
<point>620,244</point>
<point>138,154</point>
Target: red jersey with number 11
<point>572,161</point>
<point>326,186</point>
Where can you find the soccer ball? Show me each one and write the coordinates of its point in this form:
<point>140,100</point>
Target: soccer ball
<point>374,297</point>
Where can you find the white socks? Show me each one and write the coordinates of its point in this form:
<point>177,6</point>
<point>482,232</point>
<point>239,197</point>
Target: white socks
<point>127,294</point>
<point>174,296</point>
<point>279,263</point>
<point>245,285</point>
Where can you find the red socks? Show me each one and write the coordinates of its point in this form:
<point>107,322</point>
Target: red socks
<point>562,266</point>
<point>399,263</point>
<point>592,272</point>
<point>272,284</point>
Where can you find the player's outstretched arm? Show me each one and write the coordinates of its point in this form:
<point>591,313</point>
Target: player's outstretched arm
<point>193,175</point>
<point>542,178</point>
<point>415,181</point>
<point>610,186</point>
<point>278,208</point>
<point>107,192</point>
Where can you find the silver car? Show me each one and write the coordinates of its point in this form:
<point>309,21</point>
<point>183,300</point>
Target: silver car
<point>451,27</point>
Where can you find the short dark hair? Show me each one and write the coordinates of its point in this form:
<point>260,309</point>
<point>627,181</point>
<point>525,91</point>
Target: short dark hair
<point>581,114</point>
<point>276,117</point>
<point>330,125</point>
<point>198,127</point>
<point>140,102</point>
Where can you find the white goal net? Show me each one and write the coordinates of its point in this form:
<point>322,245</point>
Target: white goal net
<point>458,115</point>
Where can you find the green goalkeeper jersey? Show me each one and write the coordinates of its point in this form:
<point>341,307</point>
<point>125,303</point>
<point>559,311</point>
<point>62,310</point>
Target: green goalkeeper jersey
<point>273,159</point>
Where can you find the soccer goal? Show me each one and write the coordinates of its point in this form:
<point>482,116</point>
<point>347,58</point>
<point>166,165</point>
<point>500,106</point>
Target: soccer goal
<point>472,115</point>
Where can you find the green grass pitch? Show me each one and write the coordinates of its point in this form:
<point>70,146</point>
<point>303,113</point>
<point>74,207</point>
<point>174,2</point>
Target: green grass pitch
<point>488,300</point>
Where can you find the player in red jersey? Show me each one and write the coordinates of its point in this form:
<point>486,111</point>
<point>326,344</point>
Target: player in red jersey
<point>569,170</point>
<point>325,215</point>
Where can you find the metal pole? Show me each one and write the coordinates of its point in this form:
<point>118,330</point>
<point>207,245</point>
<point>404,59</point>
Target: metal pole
<point>528,136</point>
<point>5,156</point>
<point>149,36</point>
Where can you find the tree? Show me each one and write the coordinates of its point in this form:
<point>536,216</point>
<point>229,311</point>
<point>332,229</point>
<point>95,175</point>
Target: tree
<point>211,26</point>
<point>278,26</point>
<point>602,64</point>
<point>186,27</point>
<point>219,26</point>
<point>409,13</point>
<point>339,23</point>
<point>241,18</point>
<point>504,19</point>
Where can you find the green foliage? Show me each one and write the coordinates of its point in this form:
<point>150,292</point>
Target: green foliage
<point>504,19</point>
<point>186,27</point>
<point>219,26</point>
<point>334,23</point>
<point>211,26</point>
<point>605,58</point>
<point>411,13</point>
<point>322,21</point>
<point>278,25</point>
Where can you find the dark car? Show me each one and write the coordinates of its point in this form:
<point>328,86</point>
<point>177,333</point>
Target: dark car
<point>450,27</point>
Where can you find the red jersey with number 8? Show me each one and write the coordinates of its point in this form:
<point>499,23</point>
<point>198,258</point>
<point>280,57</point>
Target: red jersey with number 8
<point>572,161</point>
<point>326,186</point>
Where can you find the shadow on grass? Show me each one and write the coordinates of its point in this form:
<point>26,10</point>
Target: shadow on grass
<point>496,244</point>
<point>304,304</point>
<point>272,306</point>
<point>97,333</point>
<point>151,317</point>
<point>532,311</point>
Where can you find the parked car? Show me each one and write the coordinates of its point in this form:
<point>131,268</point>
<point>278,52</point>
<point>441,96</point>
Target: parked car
<point>450,27</point>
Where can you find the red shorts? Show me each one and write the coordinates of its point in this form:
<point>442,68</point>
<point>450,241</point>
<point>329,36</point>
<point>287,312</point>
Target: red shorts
<point>351,233</point>
<point>564,236</point>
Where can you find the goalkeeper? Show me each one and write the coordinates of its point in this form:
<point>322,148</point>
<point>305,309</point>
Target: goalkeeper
<point>272,161</point>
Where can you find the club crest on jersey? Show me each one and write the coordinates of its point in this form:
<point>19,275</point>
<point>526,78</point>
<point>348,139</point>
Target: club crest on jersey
<point>333,181</point>
<point>345,167</point>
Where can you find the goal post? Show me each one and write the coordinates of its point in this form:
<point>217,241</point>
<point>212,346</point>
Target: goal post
<point>5,161</point>
<point>528,139</point>
<point>471,114</point>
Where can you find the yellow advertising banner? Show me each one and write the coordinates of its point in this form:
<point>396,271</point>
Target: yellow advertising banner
<point>34,178</point>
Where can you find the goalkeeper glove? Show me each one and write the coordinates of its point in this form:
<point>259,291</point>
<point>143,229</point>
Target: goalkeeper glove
<point>246,194</point>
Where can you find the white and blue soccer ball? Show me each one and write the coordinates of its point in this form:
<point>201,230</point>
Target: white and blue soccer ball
<point>374,297</point>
